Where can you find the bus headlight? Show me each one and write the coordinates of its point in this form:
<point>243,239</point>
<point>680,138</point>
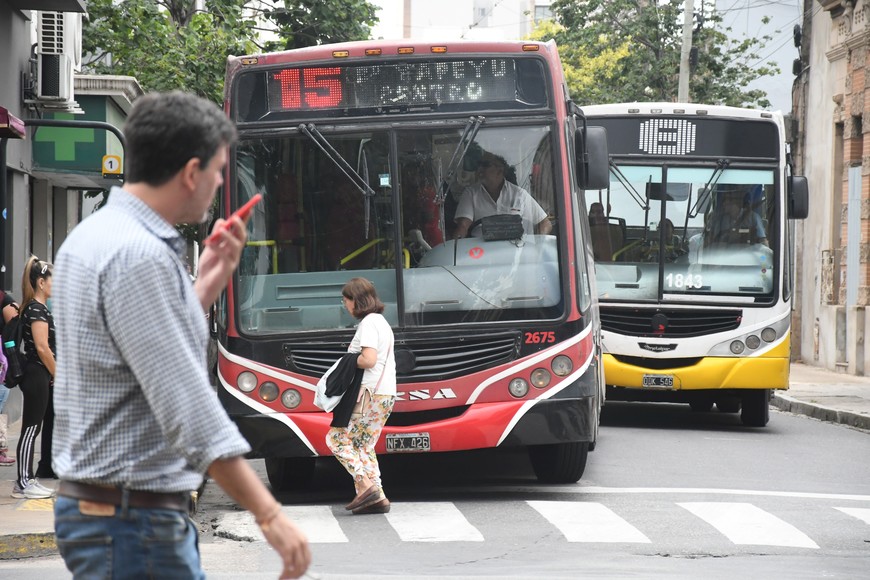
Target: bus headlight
<point>246,382</point>
<point>541,378</point>
<point>737,347</point>
<point>753,341</point>
<point>562,366</point>
<point>291,398</point>
<point>519,388</point>
<point>268,391</point>
<point>768,335</point>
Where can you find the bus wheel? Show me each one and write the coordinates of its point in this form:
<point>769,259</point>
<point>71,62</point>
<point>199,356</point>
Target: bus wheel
<point>728,405</point>
<point>290,473</point>
<point>756,408</point>
<point>560,462</point>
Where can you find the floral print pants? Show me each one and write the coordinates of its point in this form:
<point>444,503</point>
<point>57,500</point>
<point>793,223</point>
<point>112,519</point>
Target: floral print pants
<point>354,447</point>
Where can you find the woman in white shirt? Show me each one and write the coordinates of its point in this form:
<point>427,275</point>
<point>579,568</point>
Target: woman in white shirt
<point>354,446</point>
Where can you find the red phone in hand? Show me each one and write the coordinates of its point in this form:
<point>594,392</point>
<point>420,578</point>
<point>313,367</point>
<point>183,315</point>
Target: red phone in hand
<point>242,212</point>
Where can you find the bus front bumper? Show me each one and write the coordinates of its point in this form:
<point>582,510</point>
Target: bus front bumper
<point>481,426</point>
<point>708,374</point>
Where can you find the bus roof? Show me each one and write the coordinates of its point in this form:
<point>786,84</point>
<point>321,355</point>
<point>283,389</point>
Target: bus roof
<point>664,108</point>
<point>391,48</point>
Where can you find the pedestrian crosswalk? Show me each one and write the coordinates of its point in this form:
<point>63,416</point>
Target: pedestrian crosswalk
<point>736,523</point>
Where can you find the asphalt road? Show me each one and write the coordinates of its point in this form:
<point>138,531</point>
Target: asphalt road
<point>667,494</point>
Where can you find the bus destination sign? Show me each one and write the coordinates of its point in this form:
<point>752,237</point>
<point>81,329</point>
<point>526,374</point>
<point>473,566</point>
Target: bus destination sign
<point>404,84</point>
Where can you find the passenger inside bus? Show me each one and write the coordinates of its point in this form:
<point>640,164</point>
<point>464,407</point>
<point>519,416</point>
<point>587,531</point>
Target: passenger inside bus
<point>493,194</point>
<point>596,214</point>
<point>602,248</point>
<point>672,243</point>
<point>734,221</point>
<point>419,207</point>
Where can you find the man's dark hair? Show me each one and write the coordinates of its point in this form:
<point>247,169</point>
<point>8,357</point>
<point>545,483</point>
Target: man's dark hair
<point>166,130</point>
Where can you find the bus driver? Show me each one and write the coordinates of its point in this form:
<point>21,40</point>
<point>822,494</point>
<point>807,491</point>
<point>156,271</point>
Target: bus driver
<point>493,194</point>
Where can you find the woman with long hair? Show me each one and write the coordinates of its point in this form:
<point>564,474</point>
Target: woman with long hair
<point>38,339</point>
<point>354,445</point>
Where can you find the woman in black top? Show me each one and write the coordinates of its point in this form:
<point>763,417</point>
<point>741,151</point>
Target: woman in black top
<point>38,338</point>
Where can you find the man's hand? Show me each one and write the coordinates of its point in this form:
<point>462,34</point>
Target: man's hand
<point>242,483</point>
<point>290,543</point>
<point>219,260</point>
<point>462,225</point>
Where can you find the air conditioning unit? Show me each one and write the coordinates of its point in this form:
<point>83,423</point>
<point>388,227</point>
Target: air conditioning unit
<point>55,81</point>
<point>58,54</point>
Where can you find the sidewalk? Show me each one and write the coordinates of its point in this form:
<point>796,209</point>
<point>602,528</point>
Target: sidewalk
<point>26,526</point>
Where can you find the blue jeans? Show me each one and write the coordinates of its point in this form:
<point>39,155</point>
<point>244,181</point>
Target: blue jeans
<point>4,394</point>
<point>143,543</point>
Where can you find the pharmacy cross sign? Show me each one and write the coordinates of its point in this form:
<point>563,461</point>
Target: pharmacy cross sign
<point>64,138</point>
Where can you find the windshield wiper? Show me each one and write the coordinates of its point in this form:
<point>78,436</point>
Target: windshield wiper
<point>707,190</point>
<point>465,141</point>
<point>641,202</point>
<point>355,178</point>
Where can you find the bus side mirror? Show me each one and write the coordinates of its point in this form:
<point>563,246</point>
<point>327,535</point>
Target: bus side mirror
<point>798,197</point>
<point>593,160</point>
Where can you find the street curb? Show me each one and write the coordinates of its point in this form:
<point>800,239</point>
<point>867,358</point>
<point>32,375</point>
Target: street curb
<point>792,405</point>
<point>18,546</point>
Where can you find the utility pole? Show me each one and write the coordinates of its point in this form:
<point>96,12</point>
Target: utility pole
<point>688,17</point>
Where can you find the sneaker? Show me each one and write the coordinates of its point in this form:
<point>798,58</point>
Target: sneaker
<point>33,490</point>
<point>6,460</point>
<point>40,487</point>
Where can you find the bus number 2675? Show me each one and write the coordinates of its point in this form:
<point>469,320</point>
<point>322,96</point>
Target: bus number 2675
<point>540,337</point>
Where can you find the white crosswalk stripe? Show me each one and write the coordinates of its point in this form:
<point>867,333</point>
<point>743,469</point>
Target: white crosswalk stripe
<point>744,523</point>
<point>431,522</point>
<point>860,513</point>
<point>319,523</point>
<point>578,522</point>
<point>588,522</point>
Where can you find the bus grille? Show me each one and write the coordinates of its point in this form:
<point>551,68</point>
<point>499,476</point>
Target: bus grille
<point>419,358</point>
<point>658,364</point>
<point>660,323</point>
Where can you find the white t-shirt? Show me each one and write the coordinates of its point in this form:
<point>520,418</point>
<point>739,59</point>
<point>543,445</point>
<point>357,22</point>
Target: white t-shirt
<point>476,204</point>
<point>375,332</point>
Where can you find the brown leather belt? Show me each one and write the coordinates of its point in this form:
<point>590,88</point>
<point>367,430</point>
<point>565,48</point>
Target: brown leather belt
<point>179,501</point>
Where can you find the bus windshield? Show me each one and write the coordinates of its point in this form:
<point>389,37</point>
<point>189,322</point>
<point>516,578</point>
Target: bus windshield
<point>319,226</point>
<point>677,233</point>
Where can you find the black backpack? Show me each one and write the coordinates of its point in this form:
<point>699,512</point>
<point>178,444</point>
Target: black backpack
<point>13,334</point>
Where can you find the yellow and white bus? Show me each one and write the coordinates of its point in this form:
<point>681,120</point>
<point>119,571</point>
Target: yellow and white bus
<point>693,255</point>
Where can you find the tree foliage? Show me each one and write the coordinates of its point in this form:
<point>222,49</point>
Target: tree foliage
<point>169,44</point>
<point>302,24</point>
<point>629,50</point>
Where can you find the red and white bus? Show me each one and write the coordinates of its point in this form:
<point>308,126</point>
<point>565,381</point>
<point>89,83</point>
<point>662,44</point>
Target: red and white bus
<point>362,151</point>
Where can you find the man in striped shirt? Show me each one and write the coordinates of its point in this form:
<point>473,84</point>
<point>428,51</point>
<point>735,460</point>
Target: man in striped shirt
<point>137,423</point>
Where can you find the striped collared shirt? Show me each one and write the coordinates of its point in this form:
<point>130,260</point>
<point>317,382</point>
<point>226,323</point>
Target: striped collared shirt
<point>133,404</point>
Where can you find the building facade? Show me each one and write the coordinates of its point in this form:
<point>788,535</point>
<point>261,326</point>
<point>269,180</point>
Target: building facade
<point>47,171</point>
<point>831,93</point>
